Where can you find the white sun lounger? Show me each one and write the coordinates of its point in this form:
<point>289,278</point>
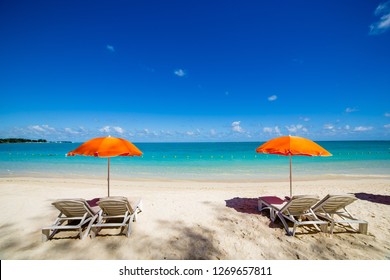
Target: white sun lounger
<point>117,212</point>
<point>333,209</point>
<point>296,210</point>
<point>74,215</point>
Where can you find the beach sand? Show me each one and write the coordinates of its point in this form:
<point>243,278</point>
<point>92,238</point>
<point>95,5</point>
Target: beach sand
<point>191,220</point>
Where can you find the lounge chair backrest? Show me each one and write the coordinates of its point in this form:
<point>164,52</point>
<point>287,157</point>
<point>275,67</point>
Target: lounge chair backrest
<point>115,206</point>
<point>298,205</point>
<point>333,203</point>
<point>73,207</point>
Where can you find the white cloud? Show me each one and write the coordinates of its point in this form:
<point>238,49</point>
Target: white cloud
<point>387,125</point>
<point>236,126</point>
<point>382,11</point>
<point>42,129</point>
<point>329,126</point>
<point>305,119</point>
<point>272,98</point>
<point>387,114</point>
<point>272,130</point>
<point>147,133</point>
<point>70,131</point>
<point>296,128</point>
<point>350,110</point>
<point>362,128</point>
<point>110,48</point>
<point>45,126</point>
<point>180,72</point>
<point>106,129</point>
<point>37,128</point>
<point>118,129</point>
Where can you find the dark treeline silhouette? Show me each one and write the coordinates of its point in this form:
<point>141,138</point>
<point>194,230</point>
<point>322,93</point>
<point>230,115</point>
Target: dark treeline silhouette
<point>21,140</point>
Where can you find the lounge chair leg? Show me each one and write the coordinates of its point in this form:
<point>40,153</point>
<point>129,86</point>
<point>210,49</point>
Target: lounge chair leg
<point>81,233</point>
<point>87,231</point>
<point>259,206</point>
<point>331,227</point>
<point>45,235</point>
<point>363,228</point>
<point>128,230</point>
<point>272,214</point>
<point>294,229</point>
<point>324,228</point>
<point>94,232</point>
<point>286,225</point>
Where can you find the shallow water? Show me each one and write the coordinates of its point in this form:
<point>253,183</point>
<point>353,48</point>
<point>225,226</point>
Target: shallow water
<point>203,161</point>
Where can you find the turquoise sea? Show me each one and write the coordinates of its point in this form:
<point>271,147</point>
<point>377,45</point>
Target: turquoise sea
<point>197,161</point>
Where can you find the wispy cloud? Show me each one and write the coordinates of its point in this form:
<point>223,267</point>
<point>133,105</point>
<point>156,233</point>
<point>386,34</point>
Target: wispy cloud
<point>108,129</point>
<point>387,125</point>
<point>272,130</point>
<point>362,128</point>
<point>36,128</point>
<point>387,114</point>
<point>329,126</point>
<point>71,131</point>
<point>350,110</point>
<point>296,129</point>
<point>272,98</point>
<point>236,127</point>
<point>43,129</point>
<point>180,72</point>
<point>382,11</point>
<point>105,129</point>
<point>110,48</point>
<point>118,129</point>
<point>305,119</point>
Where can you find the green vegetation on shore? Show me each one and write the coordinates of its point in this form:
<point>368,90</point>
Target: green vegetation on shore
<point>21,140</point>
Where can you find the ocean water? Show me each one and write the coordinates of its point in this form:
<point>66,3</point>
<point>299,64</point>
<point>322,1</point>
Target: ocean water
<point>197,161</point>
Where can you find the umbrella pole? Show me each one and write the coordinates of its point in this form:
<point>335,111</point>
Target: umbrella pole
<point>108,176</point>
<point>290,177</point>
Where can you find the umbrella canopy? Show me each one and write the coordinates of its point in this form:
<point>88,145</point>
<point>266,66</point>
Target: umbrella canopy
<point>106,147</point>
<point>292,146</point>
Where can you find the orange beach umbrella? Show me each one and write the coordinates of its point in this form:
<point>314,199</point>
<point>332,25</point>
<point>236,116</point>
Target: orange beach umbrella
<point>292,146</point>
<point>106,147</point>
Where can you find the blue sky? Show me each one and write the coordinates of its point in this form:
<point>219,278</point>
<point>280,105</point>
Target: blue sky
<point>195,70</point>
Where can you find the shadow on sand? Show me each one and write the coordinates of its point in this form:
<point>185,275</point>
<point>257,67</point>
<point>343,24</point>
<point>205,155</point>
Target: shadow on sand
<point>243,205</point>
<point>376,198</point>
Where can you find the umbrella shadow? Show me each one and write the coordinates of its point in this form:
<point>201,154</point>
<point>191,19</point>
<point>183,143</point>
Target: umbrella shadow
<point>250,206</point>
<point>243,205</point>
<point>376,198</point>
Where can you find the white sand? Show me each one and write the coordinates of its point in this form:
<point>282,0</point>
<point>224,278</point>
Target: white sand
<point>191,220</point>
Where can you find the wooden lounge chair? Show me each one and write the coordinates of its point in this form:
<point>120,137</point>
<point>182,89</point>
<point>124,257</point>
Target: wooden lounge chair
<point>117,212</point>
<point>296,210</point>
<point>74,215</point>
<point>333,209</point>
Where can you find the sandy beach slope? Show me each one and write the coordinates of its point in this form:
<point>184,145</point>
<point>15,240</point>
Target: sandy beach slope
<point>191,220</point>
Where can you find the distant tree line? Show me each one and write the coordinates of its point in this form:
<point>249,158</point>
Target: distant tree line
<point>21,140</point>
